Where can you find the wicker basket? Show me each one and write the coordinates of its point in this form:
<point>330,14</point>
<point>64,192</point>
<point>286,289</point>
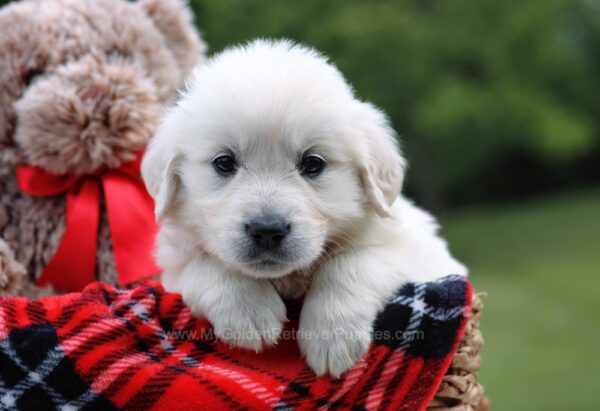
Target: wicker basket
<point>460,390</point>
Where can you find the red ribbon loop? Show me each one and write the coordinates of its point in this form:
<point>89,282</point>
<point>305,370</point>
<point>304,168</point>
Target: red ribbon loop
<point>130,216</point>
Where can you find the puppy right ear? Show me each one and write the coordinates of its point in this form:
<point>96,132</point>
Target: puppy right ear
<point>381,162</point>
<point>159,170</point>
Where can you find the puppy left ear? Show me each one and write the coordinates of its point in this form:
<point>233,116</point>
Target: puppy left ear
<point>382,165</point>
<point>159,168</point>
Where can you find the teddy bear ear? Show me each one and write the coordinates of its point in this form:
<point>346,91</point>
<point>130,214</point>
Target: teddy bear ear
<point>175,21</point>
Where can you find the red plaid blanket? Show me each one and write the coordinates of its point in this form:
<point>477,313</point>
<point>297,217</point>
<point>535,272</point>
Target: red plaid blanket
<point>141,349</point>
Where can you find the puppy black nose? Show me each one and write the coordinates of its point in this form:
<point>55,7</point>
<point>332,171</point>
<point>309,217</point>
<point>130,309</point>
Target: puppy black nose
<point>268,232</point>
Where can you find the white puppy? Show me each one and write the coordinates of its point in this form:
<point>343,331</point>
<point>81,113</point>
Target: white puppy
<point>271,179</point>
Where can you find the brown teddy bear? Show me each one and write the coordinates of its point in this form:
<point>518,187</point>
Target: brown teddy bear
<point>82,86</point>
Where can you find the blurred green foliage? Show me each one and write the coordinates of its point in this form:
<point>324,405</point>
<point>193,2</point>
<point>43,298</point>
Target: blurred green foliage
<point>491,99</point>
<point>537,262</point>
<point>480,91</point>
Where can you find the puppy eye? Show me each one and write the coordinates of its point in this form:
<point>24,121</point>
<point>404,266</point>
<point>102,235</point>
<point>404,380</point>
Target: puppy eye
<point>312,165</point>
<point>224,164</point>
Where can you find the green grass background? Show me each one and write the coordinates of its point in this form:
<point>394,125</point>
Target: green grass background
<point>539,263</point>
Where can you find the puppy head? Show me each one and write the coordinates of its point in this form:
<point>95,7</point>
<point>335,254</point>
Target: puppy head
<point>270,157</point>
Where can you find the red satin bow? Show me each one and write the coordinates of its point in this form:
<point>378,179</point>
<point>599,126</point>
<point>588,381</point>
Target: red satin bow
<point>130,217</point>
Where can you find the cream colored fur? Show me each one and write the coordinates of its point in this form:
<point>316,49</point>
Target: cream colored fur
<point>353,239</point>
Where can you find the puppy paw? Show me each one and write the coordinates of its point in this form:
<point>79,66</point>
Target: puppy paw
<point>251,319</point>
<point>333,342</point>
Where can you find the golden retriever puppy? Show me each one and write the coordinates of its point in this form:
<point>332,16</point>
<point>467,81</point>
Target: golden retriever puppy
<point>273,180</point>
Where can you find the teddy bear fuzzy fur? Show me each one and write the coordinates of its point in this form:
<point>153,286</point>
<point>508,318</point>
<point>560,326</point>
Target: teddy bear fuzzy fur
<point>82,86</point>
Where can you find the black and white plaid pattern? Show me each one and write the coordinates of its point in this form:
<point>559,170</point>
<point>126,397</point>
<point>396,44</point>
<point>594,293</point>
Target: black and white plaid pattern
<point>36,375</point>
<point>429,311</point>
<point>54,355</point>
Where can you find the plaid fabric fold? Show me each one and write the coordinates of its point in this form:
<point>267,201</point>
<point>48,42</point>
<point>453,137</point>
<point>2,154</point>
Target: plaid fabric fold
<point>139,349</point>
